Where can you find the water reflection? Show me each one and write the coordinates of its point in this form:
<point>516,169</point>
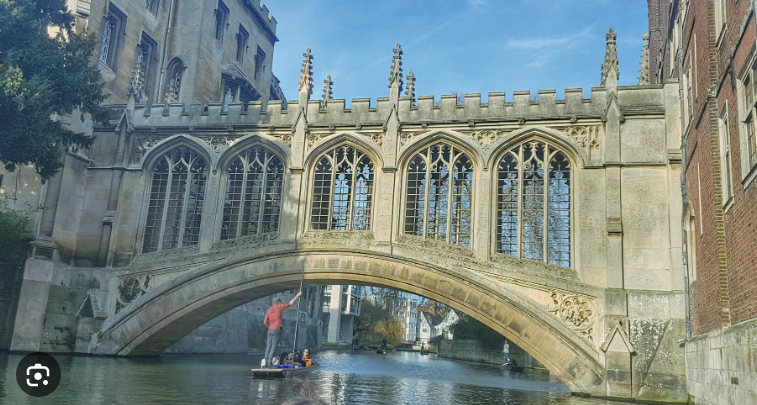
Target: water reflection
<point>362,378</point>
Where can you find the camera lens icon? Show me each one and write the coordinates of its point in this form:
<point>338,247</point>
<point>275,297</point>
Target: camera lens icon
<point>37,369</point>
<point>38,374</point>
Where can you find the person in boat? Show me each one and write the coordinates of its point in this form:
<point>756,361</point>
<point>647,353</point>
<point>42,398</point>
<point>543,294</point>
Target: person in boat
<point>383,344</point>
<point>423,346</point>
<point>511,362</point>
<point>307,359</point>
<point>273,322</point>
<point>506,352</point>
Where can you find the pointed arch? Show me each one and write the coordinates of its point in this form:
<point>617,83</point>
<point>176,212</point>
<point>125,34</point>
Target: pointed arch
<point>550,135</point>
<point>438,198</point>
<point>250,140</point>
<point>533,185</point>
<point>174,79</point>
<point>360,141</point>
<point>254,186</point>
<point>456,139</point>
<point>343,178</point>
<point>149,159</point>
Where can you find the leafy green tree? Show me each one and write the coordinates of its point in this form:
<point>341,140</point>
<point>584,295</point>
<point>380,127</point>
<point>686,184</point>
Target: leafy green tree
<point>15,234</point>
<point>44,71</point>
<point>391,329</point>
<point>470,328</point>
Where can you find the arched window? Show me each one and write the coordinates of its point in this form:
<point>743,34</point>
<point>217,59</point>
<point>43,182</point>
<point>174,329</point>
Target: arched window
<point>176,73</point>
<point>440,194</point>
<point>343,190</point>
<point>253,193</point>
<point>534,219</point>
<point>176,198</point>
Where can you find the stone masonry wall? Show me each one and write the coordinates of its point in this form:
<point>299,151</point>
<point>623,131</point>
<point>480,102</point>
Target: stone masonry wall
<point>721,366</point>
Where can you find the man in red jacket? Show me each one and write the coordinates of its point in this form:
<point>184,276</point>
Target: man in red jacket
<point>273,322</point>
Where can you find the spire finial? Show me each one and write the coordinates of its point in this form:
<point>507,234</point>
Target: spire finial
<point>327,95</point>
<point>395,76</point>
<point>410,89</point>
<point>611,58</point>
<point>644,71</point>
<point>306,76</point>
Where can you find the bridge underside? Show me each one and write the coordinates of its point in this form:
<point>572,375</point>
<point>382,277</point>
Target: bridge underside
<point>165,314</point>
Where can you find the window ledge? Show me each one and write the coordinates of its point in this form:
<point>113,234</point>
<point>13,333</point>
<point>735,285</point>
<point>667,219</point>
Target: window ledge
<point>749,177</point>
<point>728,205</point>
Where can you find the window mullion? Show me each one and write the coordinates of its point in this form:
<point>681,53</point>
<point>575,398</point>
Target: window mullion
<point>427,193</point>
<point>185,205</point>
<point>166,201</point>
<point>450,195</point>
<point>263,188</point>
<point>332,188</point>
<point>521,222</point>
<point>545,241</point>
<point>351,202</point>
<point>243,195</point>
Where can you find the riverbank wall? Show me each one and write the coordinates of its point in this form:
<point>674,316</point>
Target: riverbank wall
<point>474,350</point>
<point>721,366</point>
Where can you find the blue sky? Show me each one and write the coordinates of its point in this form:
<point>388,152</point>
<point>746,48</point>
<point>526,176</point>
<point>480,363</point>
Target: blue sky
<point>473,46</point>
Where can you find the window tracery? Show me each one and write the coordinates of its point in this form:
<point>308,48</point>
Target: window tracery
<point>176,199</point>
<point>253,193</point>
<point>440,194</point>
<point>534,203</point>
<point>343,190</point>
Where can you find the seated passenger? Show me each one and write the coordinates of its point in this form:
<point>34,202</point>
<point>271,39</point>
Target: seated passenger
<point>307,359</point>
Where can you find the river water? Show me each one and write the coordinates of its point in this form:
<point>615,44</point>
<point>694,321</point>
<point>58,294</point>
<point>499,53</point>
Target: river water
<point>360,378</point>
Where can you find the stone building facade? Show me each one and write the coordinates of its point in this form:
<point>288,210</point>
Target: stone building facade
<point>713,55</point>
<point>554,221</point>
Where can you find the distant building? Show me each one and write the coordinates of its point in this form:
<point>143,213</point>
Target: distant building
<point>341,307</point>
<point>406,312</point>
<point>431,325</point>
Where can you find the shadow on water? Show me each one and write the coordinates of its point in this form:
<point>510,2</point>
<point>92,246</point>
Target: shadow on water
<point>360,378</point>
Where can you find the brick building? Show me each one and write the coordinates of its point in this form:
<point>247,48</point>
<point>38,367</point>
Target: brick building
<point>711,52</point>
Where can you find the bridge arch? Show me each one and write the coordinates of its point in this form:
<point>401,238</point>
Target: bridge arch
<point>165,314</point>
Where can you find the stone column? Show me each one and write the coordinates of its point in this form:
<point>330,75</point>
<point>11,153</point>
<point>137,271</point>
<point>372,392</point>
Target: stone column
<point>32,305</point>
<point>482,215</point>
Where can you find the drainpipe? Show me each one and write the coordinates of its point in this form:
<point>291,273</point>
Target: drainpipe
<point>165,50</point>
<point>684,195</point>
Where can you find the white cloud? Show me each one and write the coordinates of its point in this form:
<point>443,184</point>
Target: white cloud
<point>548,42</point>
<point>478,3</point>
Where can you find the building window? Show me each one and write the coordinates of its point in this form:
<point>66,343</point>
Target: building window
<point>176,199</point>
<point>253,194</point>
<point>725,156</point>
<point>146,59</point>
<point>113,32</point>
<point>749,144</point>
<point>533,203</point>
<point>222,15</point>
<point>691,247</point>
<point>176,72</point>
<point>242,37</point>
<point>152,6</point>
<point>719,17</point>
<point>343,190</point>
<point>440,194</point>
<point>259,65</point>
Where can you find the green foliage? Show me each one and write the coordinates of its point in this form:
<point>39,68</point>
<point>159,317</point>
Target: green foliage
<point>378,308</point>
<point>469,328</point>
<point>42,75</point>
<point>15,234</point>
<point>390,329</point>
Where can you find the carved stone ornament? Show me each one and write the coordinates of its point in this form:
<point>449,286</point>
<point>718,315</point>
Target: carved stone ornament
<point>405,137</point>
<point>285,138</point>
<point>245,242</point>
<point>218,142</point>
<point>486,137</point>
<point>576,311</point>
<point>142,144</point>
<point>131,288</point>
<point>314,139</point>
<point>305,83</point>
<point>587,136</point>
<point>376,137</point>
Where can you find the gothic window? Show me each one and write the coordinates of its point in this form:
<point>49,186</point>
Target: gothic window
<point>242,37</point>
<point>343,190</point>
<point>253,194</point>
<point>748,104</point>
<point>175,71</point>
<point>440,195</point>
<point>152,6</point>
<point>259,64</point>
<point>112,31</point>
<point>533,203</point>
<point>222,15</point>
<point>146,58</point>
<point>176,199</point>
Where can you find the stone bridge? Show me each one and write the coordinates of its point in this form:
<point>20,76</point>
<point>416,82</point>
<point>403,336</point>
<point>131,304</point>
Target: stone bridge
<point>555,222</point>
